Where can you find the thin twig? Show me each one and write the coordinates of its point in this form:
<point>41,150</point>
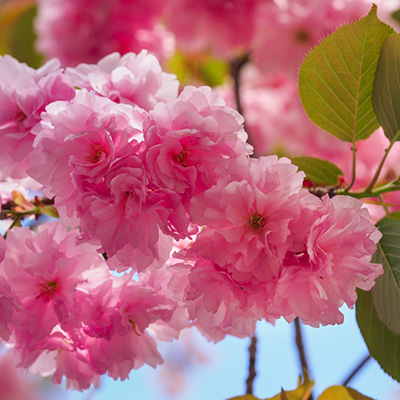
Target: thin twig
<point>356,370</point>
<point>236,66</point>
<point>252,365</point>
<point>300,348</point>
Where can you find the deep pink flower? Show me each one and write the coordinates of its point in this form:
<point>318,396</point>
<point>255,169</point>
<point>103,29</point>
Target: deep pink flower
<point>132,79</point>
<point>24,94</point>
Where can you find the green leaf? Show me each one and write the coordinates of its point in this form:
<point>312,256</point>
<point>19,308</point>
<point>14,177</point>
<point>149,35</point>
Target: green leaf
<point>386,292</point>
<point>245,397</point>
<point>23,38</point>
<point>386,94</point>
<point>396,15</point>
<point>382,343</point>
<point>202,68</point>
<point>318,171</point>
<point>336,78</point>
<point>342,393</point>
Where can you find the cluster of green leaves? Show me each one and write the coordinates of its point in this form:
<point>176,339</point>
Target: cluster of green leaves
<point>350,85</point>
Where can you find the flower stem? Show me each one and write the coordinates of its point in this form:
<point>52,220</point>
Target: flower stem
<point>389,187</point>
<point>15,222</point>
<point>380,166</point>
<point>353,169</point>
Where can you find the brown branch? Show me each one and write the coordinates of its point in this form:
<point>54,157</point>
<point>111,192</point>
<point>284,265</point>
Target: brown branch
<point>300,348</point>
<point>252,365</point>
<point>236,66</point>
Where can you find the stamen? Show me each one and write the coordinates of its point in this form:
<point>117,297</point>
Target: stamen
<point>256,221</point>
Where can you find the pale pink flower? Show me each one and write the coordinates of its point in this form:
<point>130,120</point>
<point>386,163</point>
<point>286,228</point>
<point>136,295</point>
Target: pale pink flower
<point>80,31</point>
<point>287,30</point>
<point>192,140</point>
<point>208,24</point>
<point>336,259</point>
<point>132,79</point>
<point>24,94</point>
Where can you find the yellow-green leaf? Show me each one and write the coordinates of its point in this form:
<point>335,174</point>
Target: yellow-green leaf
<point>342,393</point>
<point>336,79</point>
<point>245,397</point>
<point>50,210</point>
<point>302,392</point>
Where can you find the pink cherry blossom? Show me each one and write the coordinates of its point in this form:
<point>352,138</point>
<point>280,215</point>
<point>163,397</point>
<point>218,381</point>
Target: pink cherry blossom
<point>24,94</point>
<point>250,212</point>
<point>80,31</point>
<point>15,385</point>
<point>131,218</point>
<point>335,261</point>
<point>216,303</point>
<point>192,140</point>
<point>297,26</point>
<point>132,79</point>
<point>78,141</point>
<point>210,24</point>
<point>44,272</point>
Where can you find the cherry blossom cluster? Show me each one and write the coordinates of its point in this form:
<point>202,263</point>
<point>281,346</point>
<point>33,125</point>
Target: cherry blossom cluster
<point>166,221</point>
<point>265,26</point>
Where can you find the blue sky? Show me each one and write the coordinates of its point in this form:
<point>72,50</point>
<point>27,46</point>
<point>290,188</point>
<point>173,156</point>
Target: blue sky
<point>333,352</point>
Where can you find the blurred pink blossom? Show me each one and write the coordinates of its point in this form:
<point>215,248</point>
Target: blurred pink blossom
<point>80,31</point>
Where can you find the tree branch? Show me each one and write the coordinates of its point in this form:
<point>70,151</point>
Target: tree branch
<point>252,365</point>
<point>300,348</point>
<point>236,66</point>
